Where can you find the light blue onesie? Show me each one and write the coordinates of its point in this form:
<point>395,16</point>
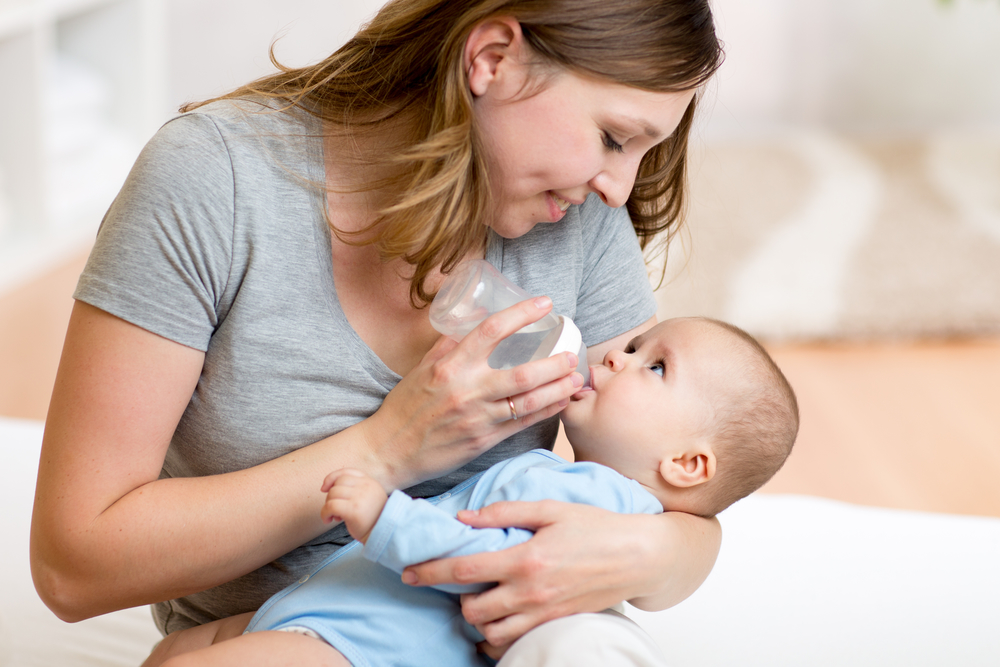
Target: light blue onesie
<point>356,602</point>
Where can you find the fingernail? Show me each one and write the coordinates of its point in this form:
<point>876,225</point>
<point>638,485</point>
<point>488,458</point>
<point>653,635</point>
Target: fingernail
<point>563,403</point>
<point>573,359</point>
<point>577,380</point>
<point>542,302</point>
<point>409,578</point>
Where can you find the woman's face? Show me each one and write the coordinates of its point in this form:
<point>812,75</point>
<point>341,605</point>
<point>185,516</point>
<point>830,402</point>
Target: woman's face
<point>577,135</point>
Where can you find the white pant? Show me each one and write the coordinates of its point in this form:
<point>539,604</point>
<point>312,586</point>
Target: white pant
<point>606,639</point>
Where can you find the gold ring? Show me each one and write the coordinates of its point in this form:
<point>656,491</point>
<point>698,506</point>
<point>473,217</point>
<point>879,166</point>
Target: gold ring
<point>513,412</point>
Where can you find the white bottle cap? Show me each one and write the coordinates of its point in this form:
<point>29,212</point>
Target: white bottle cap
<point>565,337</point>
<point>569,338</point>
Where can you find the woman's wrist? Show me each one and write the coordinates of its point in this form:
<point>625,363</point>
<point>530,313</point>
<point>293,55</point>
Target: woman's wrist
<point>377,450</point>
<point>380,450</point>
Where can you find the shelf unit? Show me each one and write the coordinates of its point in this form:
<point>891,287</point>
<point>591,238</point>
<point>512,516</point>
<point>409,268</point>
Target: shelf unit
<point>83,83</point>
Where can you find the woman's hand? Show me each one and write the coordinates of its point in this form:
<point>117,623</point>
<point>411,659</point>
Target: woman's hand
<point>453,407</point>
<point>581,559</point>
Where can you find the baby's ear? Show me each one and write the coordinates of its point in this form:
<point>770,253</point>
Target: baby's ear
<point>689,468</point>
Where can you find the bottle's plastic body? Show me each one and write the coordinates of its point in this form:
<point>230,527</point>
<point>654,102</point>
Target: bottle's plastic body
<point>475,290</point>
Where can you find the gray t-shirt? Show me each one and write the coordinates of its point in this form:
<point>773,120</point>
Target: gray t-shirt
<point>218,241</point>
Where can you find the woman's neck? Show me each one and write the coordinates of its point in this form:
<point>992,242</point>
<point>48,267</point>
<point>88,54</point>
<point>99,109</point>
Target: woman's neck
<point>361,176</point>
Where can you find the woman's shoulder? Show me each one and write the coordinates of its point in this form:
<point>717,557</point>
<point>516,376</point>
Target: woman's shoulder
<point>252,126</point>
<point>257,115</point>
<point>256,142</point>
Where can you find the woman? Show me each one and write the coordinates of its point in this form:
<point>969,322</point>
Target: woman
<point>252,316</point>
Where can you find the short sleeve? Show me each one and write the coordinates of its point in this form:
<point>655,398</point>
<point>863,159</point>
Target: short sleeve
<point>164,250</point>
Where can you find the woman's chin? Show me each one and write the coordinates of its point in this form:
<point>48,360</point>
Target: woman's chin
<point>515,222</point>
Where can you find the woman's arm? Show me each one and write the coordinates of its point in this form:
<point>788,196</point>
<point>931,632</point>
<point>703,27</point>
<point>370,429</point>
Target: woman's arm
<point>108,534</point>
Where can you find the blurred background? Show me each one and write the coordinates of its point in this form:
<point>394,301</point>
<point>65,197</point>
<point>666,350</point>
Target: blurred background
<point>845,205</point>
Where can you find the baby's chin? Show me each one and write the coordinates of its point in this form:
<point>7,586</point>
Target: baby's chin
<point>571,415</point>
<point>576,410</point>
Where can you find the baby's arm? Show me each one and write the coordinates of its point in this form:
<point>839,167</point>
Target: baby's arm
<point>412,530</point>
<point>354,498</point>
<point>403,531</point>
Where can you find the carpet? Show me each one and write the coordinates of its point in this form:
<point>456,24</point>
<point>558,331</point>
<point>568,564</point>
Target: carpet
<point>808,235</point>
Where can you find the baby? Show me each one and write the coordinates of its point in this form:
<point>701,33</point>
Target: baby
<point>692,416</point>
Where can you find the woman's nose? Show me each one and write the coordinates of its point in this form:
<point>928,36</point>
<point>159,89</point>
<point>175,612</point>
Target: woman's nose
<point>614,183</point>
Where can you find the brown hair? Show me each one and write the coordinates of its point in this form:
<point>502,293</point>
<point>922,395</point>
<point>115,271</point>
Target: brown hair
<point>756,424</point>
<point>406,65</point>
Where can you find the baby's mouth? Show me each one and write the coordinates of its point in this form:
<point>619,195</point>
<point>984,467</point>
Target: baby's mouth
<point>584,389</point>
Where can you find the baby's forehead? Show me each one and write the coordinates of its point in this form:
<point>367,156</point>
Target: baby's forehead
<point>724,359</point>
<point>698,333</point>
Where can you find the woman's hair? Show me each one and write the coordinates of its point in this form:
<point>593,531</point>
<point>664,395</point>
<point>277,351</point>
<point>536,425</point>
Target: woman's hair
<point>406,65</point>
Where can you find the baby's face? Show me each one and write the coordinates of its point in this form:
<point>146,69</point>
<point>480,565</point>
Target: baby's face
<point>648,399</point>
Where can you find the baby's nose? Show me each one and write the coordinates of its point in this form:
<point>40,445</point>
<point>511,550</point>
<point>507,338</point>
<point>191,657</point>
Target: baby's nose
<point>615,360</point>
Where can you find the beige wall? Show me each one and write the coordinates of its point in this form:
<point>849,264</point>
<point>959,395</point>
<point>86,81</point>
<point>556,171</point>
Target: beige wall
<point>884,65</point>
<point>215,45</point>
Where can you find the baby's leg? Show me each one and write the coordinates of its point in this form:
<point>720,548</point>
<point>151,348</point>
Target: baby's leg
<point>264,649</point>
<point>198,637</point>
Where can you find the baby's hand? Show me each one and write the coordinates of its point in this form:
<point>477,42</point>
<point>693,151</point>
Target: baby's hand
<point>354,498</point>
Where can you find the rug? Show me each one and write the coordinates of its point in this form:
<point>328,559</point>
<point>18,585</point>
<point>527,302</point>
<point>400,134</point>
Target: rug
<point>808,235</point>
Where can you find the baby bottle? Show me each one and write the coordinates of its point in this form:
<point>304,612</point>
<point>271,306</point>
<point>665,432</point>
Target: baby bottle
<point>475,290</point>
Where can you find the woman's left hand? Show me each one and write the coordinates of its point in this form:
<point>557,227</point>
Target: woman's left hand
<point>581,559</point>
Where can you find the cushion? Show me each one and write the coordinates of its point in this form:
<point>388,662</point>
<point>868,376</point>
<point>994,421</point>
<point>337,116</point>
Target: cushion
<point>799,581</point>
<point>30,634</point>
<point>808,581</point>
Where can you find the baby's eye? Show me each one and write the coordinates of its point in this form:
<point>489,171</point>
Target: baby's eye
<point>657,368</point>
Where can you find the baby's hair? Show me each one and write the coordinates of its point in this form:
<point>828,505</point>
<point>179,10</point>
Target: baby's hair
<point>756,424</point>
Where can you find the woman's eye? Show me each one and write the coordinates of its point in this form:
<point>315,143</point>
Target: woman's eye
<point>657,368</point>
<point>613,145</point>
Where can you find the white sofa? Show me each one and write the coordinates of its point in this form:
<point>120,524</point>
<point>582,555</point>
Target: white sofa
<point>801,581</point>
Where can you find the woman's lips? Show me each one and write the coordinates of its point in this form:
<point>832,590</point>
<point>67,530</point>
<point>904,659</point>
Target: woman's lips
<point>560,202</point>
<point>557,206</point>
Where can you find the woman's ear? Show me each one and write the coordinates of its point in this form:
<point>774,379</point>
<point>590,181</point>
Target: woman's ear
<point>489,44</point>
<point>689,468</point>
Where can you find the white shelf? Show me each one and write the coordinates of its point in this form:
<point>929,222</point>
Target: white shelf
<point>88,79</point>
